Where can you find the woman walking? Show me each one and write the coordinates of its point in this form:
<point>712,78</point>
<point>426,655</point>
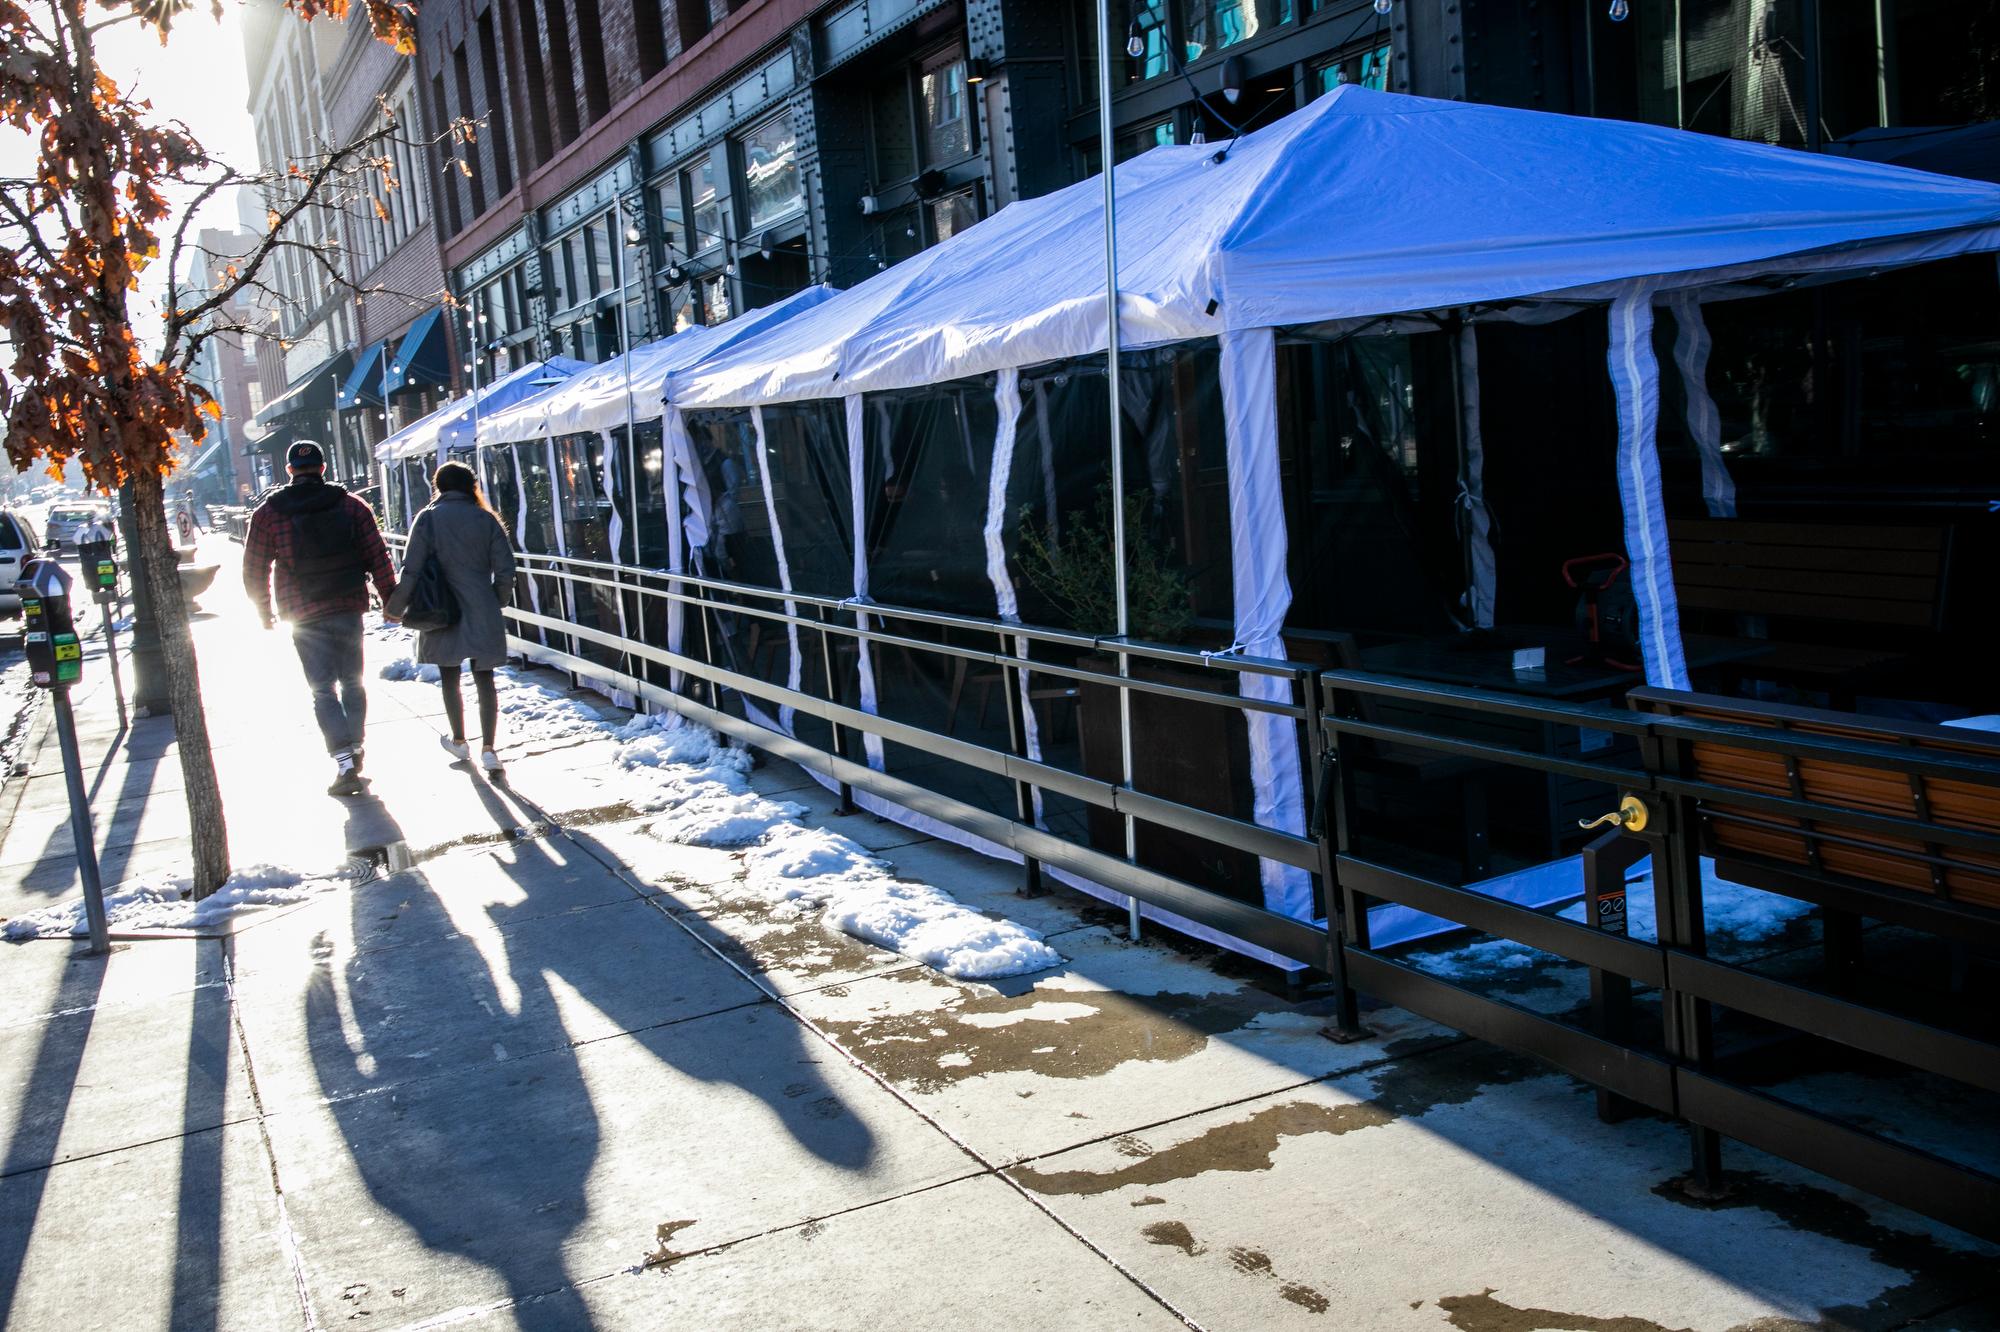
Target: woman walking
<point>477,561</point>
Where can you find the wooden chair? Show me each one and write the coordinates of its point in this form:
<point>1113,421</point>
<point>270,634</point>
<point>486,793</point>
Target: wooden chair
<point>1814,590</point>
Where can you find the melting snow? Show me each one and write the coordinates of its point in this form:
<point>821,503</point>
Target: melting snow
<point>1736,915</point>
<point>698,786</point>
<point>158,903</point>
<point>702,787</point>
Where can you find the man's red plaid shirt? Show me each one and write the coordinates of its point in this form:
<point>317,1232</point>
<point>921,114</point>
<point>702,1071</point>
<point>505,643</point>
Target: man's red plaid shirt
<point>267,561</point>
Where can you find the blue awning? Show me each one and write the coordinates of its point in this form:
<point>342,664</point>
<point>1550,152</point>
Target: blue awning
<point>424,354</point>
<point>363,388</point>
<point>313,393</point>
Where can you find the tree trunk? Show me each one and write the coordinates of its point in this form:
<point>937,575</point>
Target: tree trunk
<point>157,564</point>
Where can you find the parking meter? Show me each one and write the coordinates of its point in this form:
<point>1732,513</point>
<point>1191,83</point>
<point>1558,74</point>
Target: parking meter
<point>48,629</point>
<point>96,561</point>
<point>55,662</point>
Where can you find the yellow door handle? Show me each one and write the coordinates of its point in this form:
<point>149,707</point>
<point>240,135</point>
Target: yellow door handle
<point>1631,815</point>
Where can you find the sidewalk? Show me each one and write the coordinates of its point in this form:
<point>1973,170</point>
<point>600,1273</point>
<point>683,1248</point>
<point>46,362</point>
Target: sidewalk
<point>561,1074</point>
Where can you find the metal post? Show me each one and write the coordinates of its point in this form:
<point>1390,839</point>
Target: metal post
<point>108,608</point>
<point>1323,749</point>
<point>1014,684</point>
<point>1687,1021</point>
<point>79,824</point>
<point>1117,414</point>
<point>1605,862</point>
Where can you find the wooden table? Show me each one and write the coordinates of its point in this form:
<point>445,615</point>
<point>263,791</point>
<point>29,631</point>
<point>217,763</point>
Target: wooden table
<point>1483,659</point>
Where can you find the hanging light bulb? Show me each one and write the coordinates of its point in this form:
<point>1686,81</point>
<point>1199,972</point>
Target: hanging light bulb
<point>1620,10</point>
<point>1232,80</point>
<point>1135,44</point>
<point>730,268</point>
<point>1384,6</point>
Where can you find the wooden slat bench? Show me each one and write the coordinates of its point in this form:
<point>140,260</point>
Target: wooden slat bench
<point>1806,585</point>
<point>1931,781</point>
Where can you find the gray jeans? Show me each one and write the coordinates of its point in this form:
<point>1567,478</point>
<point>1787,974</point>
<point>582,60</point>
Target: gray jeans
<point>330,653</point>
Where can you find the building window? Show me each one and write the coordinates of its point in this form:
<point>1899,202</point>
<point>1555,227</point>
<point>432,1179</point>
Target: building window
<point>604,246</point>
<point>714,299</point>
<point>953,214</point>
<point>1749,69</point>
<point>704,206</point>
<point>1215,24</point>
<point>673,222</point>
<point>771,181</point>
<point>1368,67</point>
<point>947,126</point>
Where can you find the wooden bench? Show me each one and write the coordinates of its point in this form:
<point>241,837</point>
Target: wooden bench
<point>1849,769</point>
<point>1827,596</point>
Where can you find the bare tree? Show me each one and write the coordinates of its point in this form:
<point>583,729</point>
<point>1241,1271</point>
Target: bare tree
<point>75,236</point>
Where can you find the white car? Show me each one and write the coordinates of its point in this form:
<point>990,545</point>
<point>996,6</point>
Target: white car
<point>18,544</point>
<point>67,516</point>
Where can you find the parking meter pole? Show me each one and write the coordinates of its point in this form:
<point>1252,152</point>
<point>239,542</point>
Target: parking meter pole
<point>79,824</point>
<point>109,609</point>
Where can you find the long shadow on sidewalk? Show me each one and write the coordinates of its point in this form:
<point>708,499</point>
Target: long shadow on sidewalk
<point>44,1108</point>
<point>512,1199</point>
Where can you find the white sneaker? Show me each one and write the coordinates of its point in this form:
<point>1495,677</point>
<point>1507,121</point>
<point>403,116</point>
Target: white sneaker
<point>489,760</point>
<point>458,749</point>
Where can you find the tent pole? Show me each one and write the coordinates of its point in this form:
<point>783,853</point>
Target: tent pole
<point>1105,153</point>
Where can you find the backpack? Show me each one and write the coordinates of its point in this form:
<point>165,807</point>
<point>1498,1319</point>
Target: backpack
<point>326,550</point>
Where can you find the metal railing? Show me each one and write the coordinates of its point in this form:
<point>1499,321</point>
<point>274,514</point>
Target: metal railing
<point>560,641</point>
<point>1680,1072</point>
<point>1345,721</point>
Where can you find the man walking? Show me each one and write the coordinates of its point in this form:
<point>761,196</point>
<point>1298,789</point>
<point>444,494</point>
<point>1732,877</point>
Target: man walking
<point>320,546</point>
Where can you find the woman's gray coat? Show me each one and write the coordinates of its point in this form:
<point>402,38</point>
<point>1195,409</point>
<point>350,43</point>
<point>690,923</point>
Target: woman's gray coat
<point>478,561</point>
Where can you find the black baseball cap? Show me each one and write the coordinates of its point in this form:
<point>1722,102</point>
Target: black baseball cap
<point>305,456</point>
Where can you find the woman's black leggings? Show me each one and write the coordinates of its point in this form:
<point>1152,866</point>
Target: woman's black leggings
<point>454,706</point>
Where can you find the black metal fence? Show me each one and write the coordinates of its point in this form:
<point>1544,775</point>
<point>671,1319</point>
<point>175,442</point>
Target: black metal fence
<point>1647,1038</point>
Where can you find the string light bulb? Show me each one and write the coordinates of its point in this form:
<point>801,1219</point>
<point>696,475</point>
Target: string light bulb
<point>1384,6</point>
<point>1135,44</point>
<point>1620,10</point>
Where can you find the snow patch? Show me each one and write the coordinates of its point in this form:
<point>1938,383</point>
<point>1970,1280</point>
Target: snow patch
<point>160,903</point>
<point>1736,916</point>
<point>701,786</point>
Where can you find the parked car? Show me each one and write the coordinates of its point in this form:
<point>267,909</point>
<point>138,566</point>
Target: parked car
<point>67,517</point>
<point>18,545</point>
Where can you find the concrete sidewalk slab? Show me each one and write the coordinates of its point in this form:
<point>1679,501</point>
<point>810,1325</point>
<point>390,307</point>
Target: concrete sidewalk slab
<point>1477,1189</point>
<point>467,890</point>
<point>337,1024</point>
<point>1121,1036</point>
<point>184,1234</point>
<point>50,976</point>
<point>519,1179</point>
<point>876,1268</point>
<point>90,1077</point>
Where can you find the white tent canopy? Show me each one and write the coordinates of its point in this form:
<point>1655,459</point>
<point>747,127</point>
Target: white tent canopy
<point>597,399</point>
<point>450,426</point>
<point>1360,206</point>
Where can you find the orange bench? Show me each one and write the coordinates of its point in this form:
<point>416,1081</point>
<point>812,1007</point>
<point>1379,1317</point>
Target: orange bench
<point>1881,793</point>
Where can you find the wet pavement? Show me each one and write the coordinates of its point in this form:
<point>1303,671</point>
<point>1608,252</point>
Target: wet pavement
<point>560,1073</point>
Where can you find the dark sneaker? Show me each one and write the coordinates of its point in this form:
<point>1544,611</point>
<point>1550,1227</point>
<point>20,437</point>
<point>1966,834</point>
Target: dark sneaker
<point>347,777</point>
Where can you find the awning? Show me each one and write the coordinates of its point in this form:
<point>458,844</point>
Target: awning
<point>363,388</point>
<point>450,426</point>
<point>424,354</point>
<point>278,439</point>
<point>314,393</point>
